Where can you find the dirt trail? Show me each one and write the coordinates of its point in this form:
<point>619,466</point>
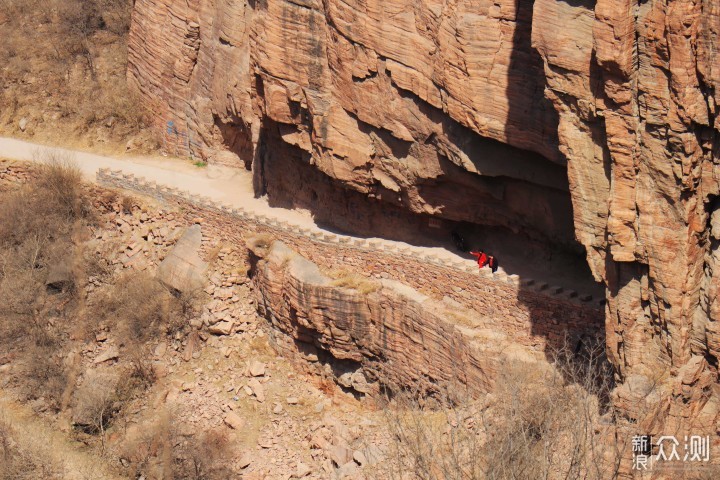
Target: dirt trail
<point>234,187</point>
<point>222,184</point>
<point>32,434</point>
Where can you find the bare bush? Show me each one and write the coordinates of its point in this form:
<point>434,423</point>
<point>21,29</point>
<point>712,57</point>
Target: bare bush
<point>180,452</point>
<point>95,402</point>
<point>47,207</point>
<point>142,373</point>
<point>138,306</point>
<point>540,422</point>
<point>44,375</point>
<point>127,204</point>
<point>36,225</point>
<point>59,184</point>
<point>143,448</point>
<point>19,463</point>
<point>201,457</point>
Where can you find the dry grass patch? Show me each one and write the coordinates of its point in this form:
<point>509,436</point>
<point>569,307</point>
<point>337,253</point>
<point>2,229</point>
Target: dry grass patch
<point>346,279</point>
<point>20,463</point>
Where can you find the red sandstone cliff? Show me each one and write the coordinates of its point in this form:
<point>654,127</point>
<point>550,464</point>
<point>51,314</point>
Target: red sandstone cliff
<point>457,109</point>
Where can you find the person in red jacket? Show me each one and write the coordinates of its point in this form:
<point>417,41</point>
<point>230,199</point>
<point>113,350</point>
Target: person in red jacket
<point>492,263</point>
<point>482,258</point>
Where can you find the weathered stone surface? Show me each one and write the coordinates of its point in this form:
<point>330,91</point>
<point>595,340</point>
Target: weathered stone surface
<point>257,389</point>
<point>183,269</point>
<point>394,335</point>
<point>234,421</point>
<point>414,104</point>
<point>635,86</point>
<point>110,353</point>
<point>223,327</point>
<point>257,369</point>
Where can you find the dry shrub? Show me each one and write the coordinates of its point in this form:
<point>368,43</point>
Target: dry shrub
<point>46,208</point>
<point>544,422</point>
<point>142,373</point>
<point>127,204</point>
<point>94,402</point>
<point>138,307</point>
<point>37,222</point>
<point>18,463</point>
<point>44,375</point>
<point>144,447</point>
<point>539,423</point>
<point>432,442</point>
<point>36,225</point>
<point>189,302</point>
<point>104,392</point>
<point>202,457</point>
<point>60,183</point>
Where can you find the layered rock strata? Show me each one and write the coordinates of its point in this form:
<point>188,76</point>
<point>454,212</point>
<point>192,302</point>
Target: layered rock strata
<point>487,112</point>
<point>383,99</point>
<point>378,333</point>
<point>635,86</point>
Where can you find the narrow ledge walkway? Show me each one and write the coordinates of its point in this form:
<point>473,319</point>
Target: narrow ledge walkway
<point>232,189</point>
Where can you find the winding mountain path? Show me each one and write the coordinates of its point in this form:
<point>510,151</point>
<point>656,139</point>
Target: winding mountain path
<point>234,187</point>
<point>222,184</point>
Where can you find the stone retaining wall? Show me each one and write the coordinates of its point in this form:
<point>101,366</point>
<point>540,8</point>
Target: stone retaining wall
<point>535,313</point>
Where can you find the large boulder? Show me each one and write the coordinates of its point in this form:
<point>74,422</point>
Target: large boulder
<point>183,270</point>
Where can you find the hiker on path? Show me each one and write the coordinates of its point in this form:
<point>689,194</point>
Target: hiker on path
<point>492,263</point>
<point>482,258</point>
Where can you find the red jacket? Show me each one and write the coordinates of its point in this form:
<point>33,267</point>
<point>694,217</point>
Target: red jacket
<point>482,258</point>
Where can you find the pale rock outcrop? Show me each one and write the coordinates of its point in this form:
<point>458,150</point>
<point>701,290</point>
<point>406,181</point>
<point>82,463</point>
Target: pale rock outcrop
<point>183,269</point>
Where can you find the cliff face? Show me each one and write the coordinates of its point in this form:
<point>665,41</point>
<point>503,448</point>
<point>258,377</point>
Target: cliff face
<point>593,120</point>
<point>438,110</point>
<point>635,86</point>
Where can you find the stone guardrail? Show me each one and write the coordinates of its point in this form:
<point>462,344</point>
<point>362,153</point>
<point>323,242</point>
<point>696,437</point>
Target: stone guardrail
<point>116,178</point>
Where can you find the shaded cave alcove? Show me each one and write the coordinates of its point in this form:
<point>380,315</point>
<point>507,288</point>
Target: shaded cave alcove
<point>527,226</point>
<point>237,139</point>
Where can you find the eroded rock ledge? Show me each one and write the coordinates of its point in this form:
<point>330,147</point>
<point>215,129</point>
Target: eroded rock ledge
<point>378,332</point>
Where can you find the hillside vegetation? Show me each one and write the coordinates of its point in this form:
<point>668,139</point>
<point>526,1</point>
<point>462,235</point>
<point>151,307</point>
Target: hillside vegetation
<point>62,74</point>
